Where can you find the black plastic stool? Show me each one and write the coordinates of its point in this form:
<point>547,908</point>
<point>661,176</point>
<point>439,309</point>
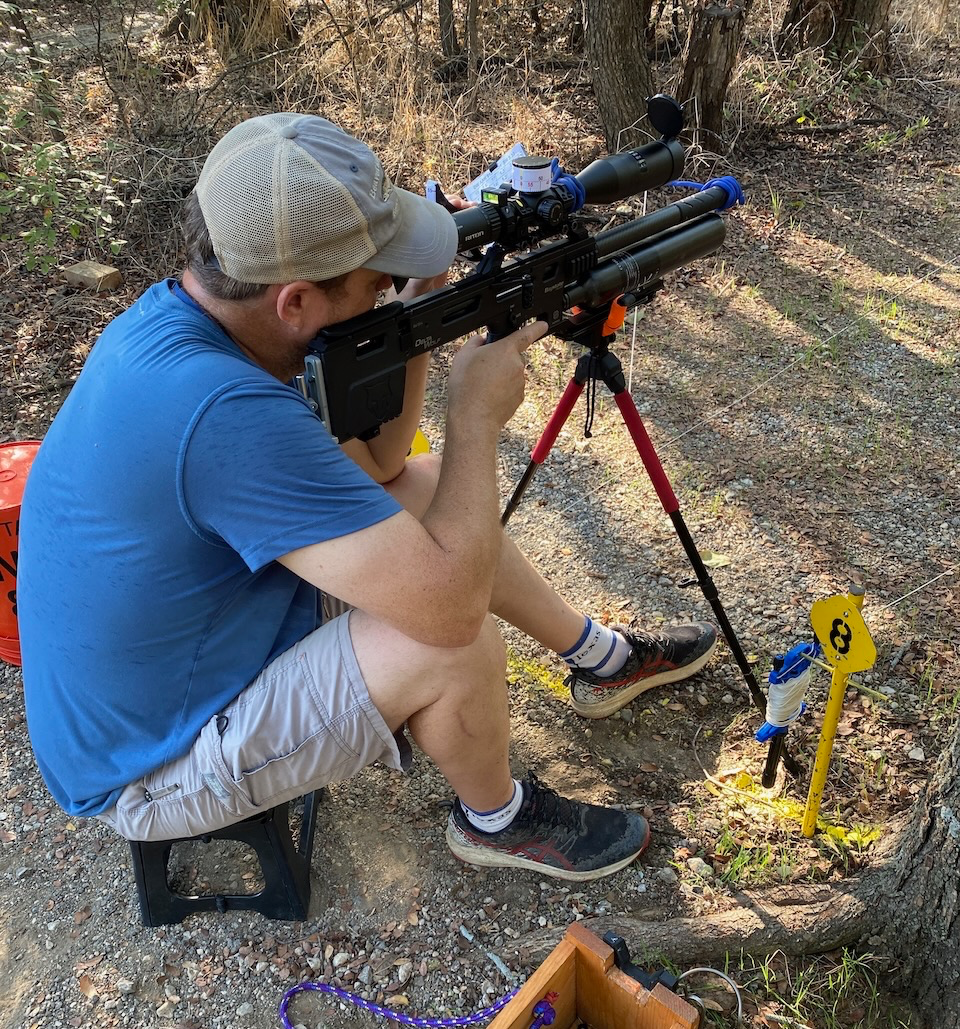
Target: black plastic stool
<point>286,869</point>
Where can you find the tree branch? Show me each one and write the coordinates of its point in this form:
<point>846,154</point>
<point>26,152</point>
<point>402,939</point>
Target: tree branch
<point>831,127</point>
<point>794,920</point>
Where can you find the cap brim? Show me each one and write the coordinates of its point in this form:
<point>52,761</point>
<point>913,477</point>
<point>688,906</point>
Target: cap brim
<point>424,245</point>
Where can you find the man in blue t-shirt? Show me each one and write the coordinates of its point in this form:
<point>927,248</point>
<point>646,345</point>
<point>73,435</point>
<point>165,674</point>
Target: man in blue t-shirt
<point>187,513</point>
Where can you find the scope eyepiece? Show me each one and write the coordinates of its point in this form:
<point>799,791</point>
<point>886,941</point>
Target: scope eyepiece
<point>477,226</point>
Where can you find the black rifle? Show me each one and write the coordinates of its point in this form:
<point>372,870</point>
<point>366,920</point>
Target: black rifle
<point>354,377</point>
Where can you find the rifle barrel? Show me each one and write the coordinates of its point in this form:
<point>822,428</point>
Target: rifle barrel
<point>680,211</point>
<point>628,271</point>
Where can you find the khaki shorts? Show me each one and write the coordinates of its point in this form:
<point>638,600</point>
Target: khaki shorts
<point>306,720</point>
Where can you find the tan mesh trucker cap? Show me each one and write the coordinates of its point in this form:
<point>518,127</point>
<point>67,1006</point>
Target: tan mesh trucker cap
<point>292,196</point>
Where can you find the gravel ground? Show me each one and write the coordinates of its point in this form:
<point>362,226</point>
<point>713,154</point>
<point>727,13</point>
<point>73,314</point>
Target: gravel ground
<point>394,916</point>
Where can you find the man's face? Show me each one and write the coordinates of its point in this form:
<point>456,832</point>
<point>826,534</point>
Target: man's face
<point>357,294</point>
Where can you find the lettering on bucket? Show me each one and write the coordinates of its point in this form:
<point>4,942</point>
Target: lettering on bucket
<point>8,563</point>
<point>8,573</point>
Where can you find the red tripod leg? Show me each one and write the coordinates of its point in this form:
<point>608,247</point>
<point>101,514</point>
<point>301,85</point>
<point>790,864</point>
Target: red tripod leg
<point>636,428</point>
<point>547,438</point>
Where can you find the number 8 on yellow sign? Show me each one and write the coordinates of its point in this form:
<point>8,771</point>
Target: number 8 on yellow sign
<point>843,633</point>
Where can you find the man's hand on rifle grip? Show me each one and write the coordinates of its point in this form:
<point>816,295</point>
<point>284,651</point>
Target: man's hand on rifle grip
<point>487,381</point>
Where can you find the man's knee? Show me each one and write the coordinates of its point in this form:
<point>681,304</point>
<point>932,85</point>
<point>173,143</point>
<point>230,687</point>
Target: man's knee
<point>472,680</point>
<point>415,486</point>
<point>482,661</point>
<point>415,676</point>
<point>491,651</point>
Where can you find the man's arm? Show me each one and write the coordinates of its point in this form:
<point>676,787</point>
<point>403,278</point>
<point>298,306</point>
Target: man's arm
<point>432,579</point>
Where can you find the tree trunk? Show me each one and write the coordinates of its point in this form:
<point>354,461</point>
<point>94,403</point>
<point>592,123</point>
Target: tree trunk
<point>449,45</point>
<point>709,59</point>
<point>855,31</point>
<point>615,33</point>
<point>923,910</point>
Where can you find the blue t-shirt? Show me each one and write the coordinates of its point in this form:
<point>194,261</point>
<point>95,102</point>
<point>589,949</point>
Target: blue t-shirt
<point>149,595</point>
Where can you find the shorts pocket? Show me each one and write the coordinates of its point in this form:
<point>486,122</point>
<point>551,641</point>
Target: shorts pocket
<point>278,740</point>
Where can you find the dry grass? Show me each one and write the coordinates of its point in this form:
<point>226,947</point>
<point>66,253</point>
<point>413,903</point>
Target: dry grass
<point>238,29</point>
<point>145,112</point>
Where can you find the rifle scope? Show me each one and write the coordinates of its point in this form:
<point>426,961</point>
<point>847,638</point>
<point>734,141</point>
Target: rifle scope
<point>533,207</point>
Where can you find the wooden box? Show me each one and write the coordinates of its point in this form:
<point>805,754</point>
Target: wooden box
<point>591,990</point>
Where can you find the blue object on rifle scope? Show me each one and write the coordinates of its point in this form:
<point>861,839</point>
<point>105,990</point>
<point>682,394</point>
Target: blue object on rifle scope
<point>735,194</point>
<point>562,178</point>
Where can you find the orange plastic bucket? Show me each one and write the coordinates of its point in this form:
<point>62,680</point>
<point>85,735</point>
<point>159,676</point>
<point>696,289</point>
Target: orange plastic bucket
<point>15,462</point>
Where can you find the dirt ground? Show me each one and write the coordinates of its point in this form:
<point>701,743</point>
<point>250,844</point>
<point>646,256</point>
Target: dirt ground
<point>801,388</point>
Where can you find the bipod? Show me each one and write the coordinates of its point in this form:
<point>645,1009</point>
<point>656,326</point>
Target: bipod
<point>595,329</point>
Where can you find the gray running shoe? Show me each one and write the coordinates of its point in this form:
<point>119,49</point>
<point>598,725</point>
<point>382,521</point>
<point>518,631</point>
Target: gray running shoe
<point>552,835</point>
<point>667,656</point>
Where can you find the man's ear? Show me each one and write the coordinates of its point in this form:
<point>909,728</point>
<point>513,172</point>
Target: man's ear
<point>298,303</point>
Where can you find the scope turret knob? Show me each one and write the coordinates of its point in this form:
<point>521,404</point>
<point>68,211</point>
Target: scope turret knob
<point>532,174</point>
<point>550,212</point>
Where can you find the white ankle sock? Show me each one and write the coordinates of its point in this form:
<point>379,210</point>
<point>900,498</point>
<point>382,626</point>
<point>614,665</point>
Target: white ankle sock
<point>599,650</point>
<point>499,818</point>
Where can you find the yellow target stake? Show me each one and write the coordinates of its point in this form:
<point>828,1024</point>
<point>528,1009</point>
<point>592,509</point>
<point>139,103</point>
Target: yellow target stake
<point>848,648</point>
<point>420,445</point>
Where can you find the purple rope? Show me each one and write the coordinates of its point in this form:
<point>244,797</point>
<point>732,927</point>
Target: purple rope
<point>426,1023</point>
<point>544,1011</point>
